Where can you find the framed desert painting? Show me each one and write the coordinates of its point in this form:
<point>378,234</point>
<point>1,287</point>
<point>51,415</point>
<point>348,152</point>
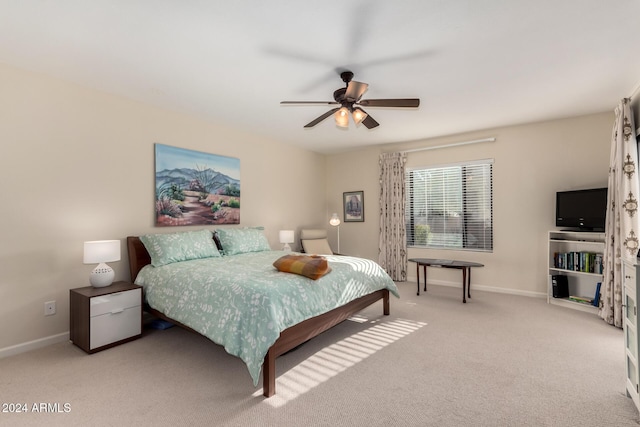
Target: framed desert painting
<point>195,188</point>
<point>353,202</point>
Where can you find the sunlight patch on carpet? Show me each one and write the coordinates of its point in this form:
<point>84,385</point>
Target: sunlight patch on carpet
<point>338,357</point>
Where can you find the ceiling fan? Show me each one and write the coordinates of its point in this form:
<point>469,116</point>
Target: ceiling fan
<point>348,99</point>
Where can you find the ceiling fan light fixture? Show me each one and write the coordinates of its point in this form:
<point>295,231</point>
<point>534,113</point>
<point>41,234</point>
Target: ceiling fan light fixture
<point>358,115</point>
<point>346,99</point>
<point>342,117</point>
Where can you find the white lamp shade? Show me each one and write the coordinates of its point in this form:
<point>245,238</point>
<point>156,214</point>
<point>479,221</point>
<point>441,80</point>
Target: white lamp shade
<point>286,236</point>
<point>99,252</point>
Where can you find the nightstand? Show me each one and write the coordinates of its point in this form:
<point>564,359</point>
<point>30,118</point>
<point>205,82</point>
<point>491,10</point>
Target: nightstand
<point>105,317</point>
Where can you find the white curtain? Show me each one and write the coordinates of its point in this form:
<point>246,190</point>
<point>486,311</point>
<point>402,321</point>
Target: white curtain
<point>621,232</point>
<point>392,247</point>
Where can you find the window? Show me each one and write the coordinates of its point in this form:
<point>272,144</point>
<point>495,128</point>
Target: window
<point>450,207</point>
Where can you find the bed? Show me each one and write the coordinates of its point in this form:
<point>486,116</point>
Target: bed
<point>230,309</point>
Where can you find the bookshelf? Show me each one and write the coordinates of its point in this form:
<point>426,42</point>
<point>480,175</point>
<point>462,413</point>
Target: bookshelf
<point>578,256</point>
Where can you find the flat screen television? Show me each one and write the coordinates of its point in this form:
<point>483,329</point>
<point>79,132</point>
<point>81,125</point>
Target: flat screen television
<point>582,209</point>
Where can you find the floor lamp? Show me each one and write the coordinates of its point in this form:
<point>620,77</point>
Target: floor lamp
<point>335,221</point>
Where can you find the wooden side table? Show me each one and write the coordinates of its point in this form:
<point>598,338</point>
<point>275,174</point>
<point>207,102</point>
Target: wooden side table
<point>101,318</point>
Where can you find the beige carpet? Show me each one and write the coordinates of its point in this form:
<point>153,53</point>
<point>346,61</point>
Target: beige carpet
<point>500,360</point>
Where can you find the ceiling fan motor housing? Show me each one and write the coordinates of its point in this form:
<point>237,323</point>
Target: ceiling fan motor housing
<point>346,76</point>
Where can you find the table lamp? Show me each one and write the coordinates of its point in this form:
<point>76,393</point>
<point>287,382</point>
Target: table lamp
<point>100,252</point>
<point>286,237</point>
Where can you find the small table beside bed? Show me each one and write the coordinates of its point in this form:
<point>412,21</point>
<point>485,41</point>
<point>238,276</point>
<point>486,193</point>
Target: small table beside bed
<point>241,301</point>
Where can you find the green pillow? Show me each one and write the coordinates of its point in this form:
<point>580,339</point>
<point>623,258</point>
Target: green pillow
<point>241,240</point>
<point>175,247</point>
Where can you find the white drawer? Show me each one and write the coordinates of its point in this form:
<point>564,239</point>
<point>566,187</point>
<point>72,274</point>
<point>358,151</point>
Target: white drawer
<point>111,327</point>
<point>114,303</point>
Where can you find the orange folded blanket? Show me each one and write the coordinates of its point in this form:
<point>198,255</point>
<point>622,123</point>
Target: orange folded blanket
<point>311,266</point>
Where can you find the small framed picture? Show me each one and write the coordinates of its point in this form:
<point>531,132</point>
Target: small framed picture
<point>353,202</point>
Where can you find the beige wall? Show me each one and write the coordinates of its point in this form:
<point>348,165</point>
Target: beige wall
<point>77,164</point>
<point>531,163</point>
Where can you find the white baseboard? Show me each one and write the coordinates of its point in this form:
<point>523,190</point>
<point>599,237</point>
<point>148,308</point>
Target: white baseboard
<point>32,345</point>
<point>485,288</point>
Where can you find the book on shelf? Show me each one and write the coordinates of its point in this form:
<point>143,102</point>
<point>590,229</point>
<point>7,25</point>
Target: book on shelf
<point>586,262</point>
<point>583,300</point>
<point>596,298</point>
<point>597,264</point>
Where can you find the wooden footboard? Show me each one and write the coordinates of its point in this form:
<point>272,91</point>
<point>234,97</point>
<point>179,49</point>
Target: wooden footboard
<point>304,331</point>
<point>289,338</point>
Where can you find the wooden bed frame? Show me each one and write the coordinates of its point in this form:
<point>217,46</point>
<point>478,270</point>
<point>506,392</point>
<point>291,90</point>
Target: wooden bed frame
<point>290,337</point>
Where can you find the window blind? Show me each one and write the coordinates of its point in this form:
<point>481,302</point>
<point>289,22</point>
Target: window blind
<point>451,206</point>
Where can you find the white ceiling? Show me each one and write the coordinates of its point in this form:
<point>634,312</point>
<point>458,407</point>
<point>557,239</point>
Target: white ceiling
<point>474,64</point>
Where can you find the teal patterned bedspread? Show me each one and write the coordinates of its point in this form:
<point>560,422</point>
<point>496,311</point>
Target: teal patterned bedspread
<point>243,303</point>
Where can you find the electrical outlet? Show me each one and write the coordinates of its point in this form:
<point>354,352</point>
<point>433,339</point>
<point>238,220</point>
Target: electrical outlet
<point>49,308</point>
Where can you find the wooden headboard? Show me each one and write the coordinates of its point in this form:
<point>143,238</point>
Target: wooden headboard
<point>138,256</point>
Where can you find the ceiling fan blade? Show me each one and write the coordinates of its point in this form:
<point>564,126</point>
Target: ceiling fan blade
<point>321,118</point>
<point>404,102</point>
<point>308,103</point>
<point>355,90</point>
<point>369,122</point>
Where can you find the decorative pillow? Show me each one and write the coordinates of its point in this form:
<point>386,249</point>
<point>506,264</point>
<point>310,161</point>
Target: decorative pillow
<point>313,267</point>
<point>175,247</point>
<point>241,240</point>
